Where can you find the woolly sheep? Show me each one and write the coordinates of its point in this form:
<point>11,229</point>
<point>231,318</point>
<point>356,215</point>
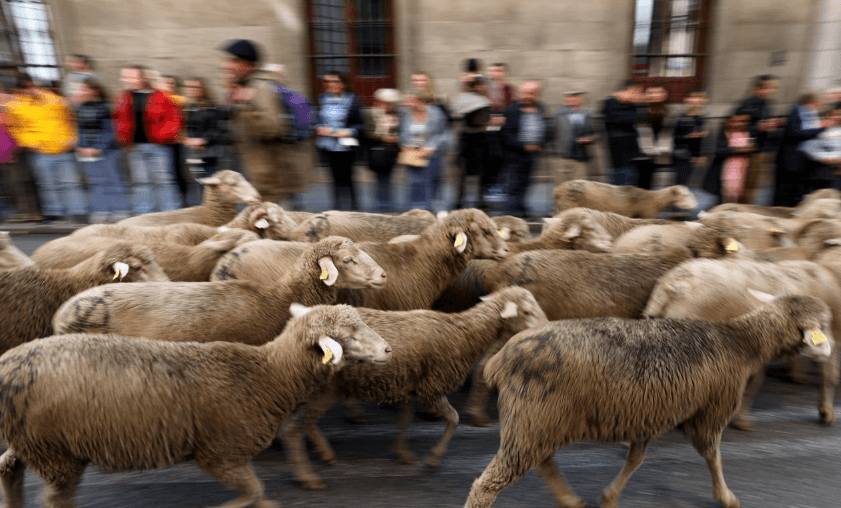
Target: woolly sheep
<point>753,230</point>
<point>218,403</point>
<point>622,199</point>
<point>235,311</point>
<point>717,290</point>
<point>433,353</point>
<point>29,296</point>
<point>267,219</point>
<point>662,238</point>
<point>182,263</point>
<point>512,229</point>
<point>10,256</point>
<point>613,223</point>
<point>257,260</point>
<point>223,190</point>
<point>632,380</point>
<point>361,226</point>
<point>811,240</point>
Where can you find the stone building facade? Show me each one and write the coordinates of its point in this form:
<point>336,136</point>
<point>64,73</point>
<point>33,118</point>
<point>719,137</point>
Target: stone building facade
<point>567,44</point>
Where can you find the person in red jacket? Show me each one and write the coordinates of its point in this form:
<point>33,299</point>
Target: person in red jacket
<point>146,121</point>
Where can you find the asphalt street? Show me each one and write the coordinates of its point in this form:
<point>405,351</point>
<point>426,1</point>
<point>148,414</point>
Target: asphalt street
<point>789,461</point>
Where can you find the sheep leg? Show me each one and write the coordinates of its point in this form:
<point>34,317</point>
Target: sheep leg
<point>557,485</point>
<point>503,470</point>
<point>829,380</point>
<point>706,441</point>
<point>478,397</point>
<point>61,484</point>
<point>404,456</point>
<point>293,440</point>
<point>741,418</point>
<point>11,476</point>
<point>443,407</point>
<point>636,454</point>
<point>242,478</point>
<point>354,413</point>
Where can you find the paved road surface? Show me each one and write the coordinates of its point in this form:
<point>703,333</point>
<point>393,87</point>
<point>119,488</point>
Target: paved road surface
<point>791,461</point>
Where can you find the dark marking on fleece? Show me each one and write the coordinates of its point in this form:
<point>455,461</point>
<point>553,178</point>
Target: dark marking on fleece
<point>91,312</point>
<point>529,360</point>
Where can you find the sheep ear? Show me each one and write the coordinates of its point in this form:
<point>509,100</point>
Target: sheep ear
<point>762,297</point>
<point>329,272</point>
<point>440,215</point>
<point>297,310</point>
<point>692,224</point>
<point>832,241</point>
<point>702,214</point>
<point>573,232</point>
<point>332,350</point>
<point>262,224</point>
<point>509,311</point>
<point>487,296</point>
<point>505,233</point>
<point>551,220</point>
<point>461,242</point>
<point>120,270</point>
<point>210,180</point>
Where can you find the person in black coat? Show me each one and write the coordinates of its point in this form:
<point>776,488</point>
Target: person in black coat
<point>524,133</point>
<point>794,178</point>
<point>725,150</point>
<point>688,136</point>
<point>205,139</point>
<point>621,115</point>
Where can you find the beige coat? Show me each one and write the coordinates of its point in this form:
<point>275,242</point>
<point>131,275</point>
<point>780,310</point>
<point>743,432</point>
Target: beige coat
<point>276,169</point>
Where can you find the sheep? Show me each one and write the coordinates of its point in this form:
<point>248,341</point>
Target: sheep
<point>181,263</point>
<point>755,231</point>
<point>236,310</point>
<point>512,229</point>
<point>632,380</point>
<point>30,296</point>
<point>222,192</point>
<point>820,204</point>
<point>258,260</point>
<point>716,290</point>
<point>658,239</point>
<point>432,354</point>
<point>10,256</point>
<point>267,219</point>
<point>218,403</point>
<point>622,199</point>
<point>613,223</point>
<point>464,291</point>
<point>361,226</point>
<point>812,238</point>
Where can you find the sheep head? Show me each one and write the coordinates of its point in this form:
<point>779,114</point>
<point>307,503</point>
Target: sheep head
<point>682,197</point>
<point>578,231</point>
<point>518,309</point>
<point>474,235</point>
<point>338,335</point>
<point>343,264</point>
<point>231,186</point>
<point>10,256</point>
<point>812,319</point>
<point>512,229</point>
<point>270,221</point>
<point>126,262</point>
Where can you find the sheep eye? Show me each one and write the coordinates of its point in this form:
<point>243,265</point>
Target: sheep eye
<point>350,261</point>
<point>136,266</point>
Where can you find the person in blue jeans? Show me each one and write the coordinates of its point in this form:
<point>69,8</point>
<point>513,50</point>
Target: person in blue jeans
<point>97,150</point>
<point>423,138</point>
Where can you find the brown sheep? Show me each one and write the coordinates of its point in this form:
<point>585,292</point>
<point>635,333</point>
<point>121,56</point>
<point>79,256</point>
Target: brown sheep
<point>222,192</point>
<point>29,297</point>
<point>433,353</point>
<point>361,226</point>
<point>754,231</point>
<point>235,311</point>
<point>615,224</point>
<point>512,229</point>
<point>812,239</point>
<point>182,263</point>
<point>622,199</point>
<point>267,219</point>
<point>10,256</point>
<point>632,380</point>
<point>664,238</point>
<point>218,403</point>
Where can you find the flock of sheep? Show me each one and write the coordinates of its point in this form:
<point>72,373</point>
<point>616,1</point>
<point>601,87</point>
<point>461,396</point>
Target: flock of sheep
<point>240,327</point>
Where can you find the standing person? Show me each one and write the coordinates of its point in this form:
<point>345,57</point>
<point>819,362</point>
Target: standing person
<point>474,109</point>
<point>573,136</point>
<point>825,152</point>
<point>763,128</point>
<point>16,181</point>
<point>146,121</point>
<point>81,67</point>
<point>98,152</point>
<point>382,131</point>
<point>621,114</point>
<point>202,144</point>
<point>170,85</point>
<point>688,136</point>
<point>501,95</point>
<point>275,165</point>
<point>43,123</point>
<point>727,174</point>
<point>423,135</point>
<point>339,125</point>
<point>424,81</point>
<point>794,178</point>
<point>524,133</point>
<point>651,151</point>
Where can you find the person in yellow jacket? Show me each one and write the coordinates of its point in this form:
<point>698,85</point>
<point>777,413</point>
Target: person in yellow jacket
<point>43,123</point>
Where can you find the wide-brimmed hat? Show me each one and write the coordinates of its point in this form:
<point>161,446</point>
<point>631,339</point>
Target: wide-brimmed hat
<point>388,95</point>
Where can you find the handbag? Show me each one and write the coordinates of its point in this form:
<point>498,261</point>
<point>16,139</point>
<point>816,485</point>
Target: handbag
<point>412,157</point>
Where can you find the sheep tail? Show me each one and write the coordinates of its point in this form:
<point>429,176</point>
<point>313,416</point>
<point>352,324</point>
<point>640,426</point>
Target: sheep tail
<point>664,293</point>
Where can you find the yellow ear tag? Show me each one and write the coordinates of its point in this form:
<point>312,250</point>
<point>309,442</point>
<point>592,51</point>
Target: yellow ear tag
<point>775,230</point>
<point>328,355</point>
<point>116,274</point>
<point>459,240</point>
<point>818,338</point>
<point>732,246</point>
<point>324,276</point>
<point>501,232</point>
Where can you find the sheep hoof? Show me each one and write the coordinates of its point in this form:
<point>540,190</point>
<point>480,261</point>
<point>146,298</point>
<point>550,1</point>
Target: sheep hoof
<point>406,459</point>
<point>329,459</point>
<point>604,502</point>
<point>729,500</point>
<point>267,504</point>
<point>827,415</point>
<point>742,423</point>
<point>313,484</point>
<point>478,418</point>
<point>432,461</point>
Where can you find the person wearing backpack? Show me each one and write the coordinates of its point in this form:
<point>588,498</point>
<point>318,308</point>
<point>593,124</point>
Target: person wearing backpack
<point>273,158</point>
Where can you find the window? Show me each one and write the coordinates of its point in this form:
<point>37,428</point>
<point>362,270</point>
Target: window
<point>670,43</point>
<point>355,37</point>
